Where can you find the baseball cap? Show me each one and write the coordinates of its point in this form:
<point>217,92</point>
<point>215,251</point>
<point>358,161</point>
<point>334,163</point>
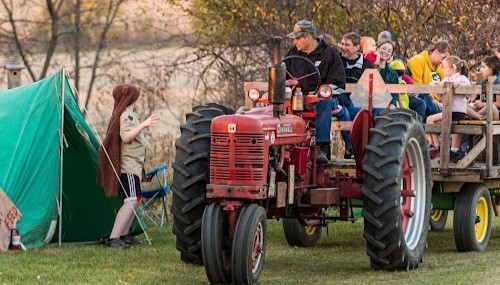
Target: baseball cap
<point>303,27</point>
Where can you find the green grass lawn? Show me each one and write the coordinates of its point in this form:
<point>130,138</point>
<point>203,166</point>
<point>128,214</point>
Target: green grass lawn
<point>337,259</point>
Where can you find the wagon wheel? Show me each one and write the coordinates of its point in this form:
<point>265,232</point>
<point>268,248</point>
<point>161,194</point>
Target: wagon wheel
<point>472,218</point>
<point>249,245</point>
<point>396,192</point>
<point>216,245</point>
<point>438,219</point>
<point>300,235</point>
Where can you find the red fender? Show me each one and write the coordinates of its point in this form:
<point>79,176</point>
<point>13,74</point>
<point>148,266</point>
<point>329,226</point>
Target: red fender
<point>359,138</point>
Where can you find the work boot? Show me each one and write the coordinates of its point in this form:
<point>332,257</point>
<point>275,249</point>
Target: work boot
<point>325,147</point>
<point>348,154</point>
<point>324,153</point>
<point>322,159</point>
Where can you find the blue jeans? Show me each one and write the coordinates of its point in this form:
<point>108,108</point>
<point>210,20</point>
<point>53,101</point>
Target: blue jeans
<point>419,106</point>
<point>432,108</point>
<point>324,121</point>
<point>354,110</point>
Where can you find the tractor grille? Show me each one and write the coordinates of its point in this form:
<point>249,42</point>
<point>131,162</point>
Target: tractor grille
<point>236,157</point>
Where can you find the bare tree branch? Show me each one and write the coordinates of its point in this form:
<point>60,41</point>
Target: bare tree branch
<point>110,16</point>
<point>17,41</point>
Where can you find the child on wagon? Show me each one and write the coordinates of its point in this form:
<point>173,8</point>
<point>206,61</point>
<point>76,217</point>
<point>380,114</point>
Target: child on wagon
<point>454,70</point>
<point>490,66</point>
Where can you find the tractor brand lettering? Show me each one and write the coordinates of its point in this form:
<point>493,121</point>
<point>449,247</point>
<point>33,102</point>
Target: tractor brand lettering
<point>284,128</point>
<point>231,128</point>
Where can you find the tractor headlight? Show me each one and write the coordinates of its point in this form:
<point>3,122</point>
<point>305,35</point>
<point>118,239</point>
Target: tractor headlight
<point>254,94</point>
<point>325,91</point>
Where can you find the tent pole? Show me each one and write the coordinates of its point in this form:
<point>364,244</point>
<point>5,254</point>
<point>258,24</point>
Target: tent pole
<point>61,148</point>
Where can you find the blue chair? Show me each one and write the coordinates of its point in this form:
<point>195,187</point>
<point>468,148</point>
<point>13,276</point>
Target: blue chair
<point>158,193</point>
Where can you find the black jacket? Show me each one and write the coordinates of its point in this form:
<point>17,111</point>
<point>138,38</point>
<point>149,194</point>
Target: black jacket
<point>354,68</point>
<point>325,58</point>
<point>353,71</point>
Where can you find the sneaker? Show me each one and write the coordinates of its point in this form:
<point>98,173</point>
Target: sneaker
<point>456,156</point>
<point>434,153</point>
<point>322,159</point>
<point>130,240</point>
<point>116,242</point>
<point>348,154</point>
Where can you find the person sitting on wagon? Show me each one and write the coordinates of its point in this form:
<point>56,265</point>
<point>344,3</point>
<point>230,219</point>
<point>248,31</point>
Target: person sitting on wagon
<point>399,67</point>
<point>354,64</point>
<point>490,66</point>
<point>454,69</point>
<point>426,68</point>
<point>386,49</point>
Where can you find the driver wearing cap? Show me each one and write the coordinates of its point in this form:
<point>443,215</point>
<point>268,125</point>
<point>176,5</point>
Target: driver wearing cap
<point>329,64</point>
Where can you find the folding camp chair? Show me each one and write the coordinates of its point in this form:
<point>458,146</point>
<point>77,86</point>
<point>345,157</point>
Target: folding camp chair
<point>159,192</point>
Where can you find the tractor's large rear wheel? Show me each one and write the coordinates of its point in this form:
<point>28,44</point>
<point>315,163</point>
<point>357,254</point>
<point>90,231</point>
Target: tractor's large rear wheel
<point>249,245</point>
<point>216,245</point>
<point>191,175</point>
<point>472,218</point>
<point>396,192</point>
<point>300,235</point>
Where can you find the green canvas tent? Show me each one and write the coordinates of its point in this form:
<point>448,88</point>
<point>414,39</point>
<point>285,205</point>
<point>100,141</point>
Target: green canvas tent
<point>40,180</point>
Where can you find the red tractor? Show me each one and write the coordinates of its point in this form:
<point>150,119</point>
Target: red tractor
<point>234,171</point>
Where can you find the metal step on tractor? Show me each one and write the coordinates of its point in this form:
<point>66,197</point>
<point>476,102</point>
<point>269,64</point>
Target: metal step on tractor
<point>235,170</point>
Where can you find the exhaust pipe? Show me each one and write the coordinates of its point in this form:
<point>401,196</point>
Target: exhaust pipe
<point>277,78</point>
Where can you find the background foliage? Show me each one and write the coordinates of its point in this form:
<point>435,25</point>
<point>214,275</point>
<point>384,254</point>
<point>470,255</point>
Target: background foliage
<point>236,34</point>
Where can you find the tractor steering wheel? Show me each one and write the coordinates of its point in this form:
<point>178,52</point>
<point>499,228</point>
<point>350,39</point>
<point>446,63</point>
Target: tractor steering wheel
<point>295,80</point>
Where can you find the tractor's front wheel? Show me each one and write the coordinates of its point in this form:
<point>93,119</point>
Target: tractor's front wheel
<point>216,245</point>
<point>249,244</point>
<point>300,235</point>
<point>191,174</point>
<point>472,218</point>
<point>396,192</point>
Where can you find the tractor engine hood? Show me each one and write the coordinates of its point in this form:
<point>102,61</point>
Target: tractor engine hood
<point>288,129</point>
